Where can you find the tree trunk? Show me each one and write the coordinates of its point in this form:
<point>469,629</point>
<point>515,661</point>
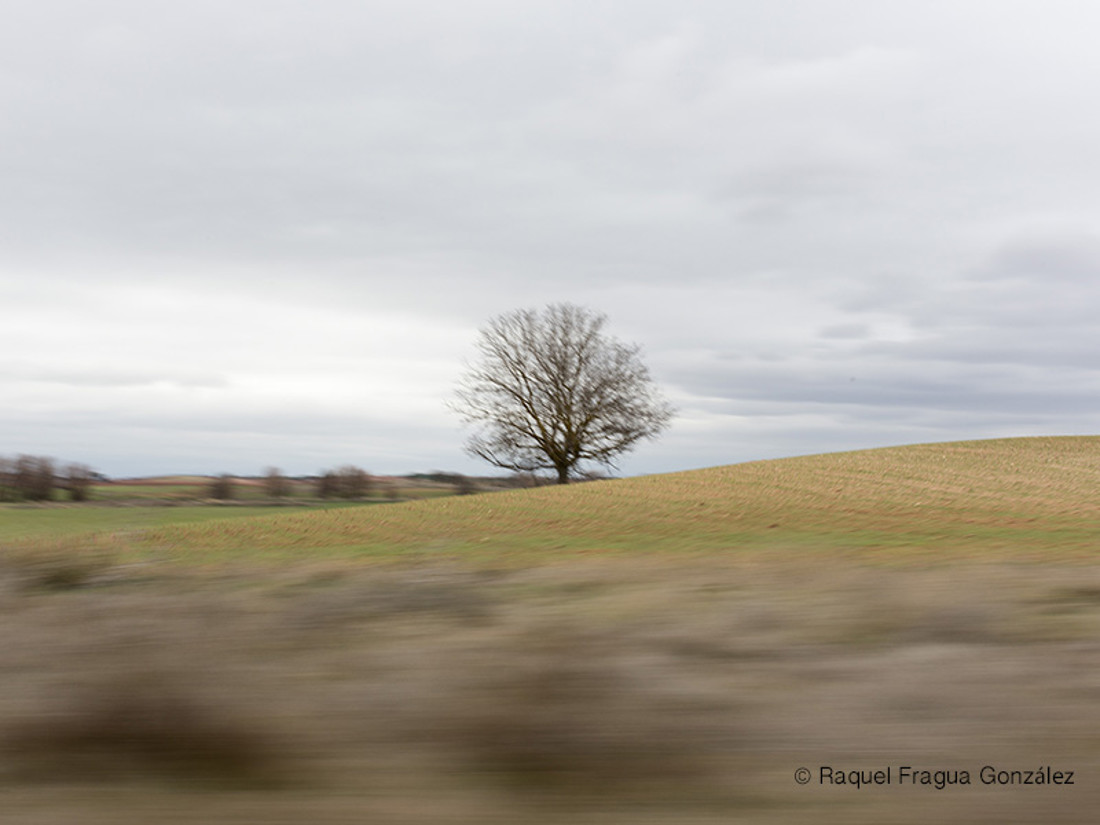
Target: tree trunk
<point>563,474</point>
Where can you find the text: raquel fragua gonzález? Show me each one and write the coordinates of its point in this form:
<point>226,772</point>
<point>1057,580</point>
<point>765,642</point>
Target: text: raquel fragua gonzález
<point>906,775</point>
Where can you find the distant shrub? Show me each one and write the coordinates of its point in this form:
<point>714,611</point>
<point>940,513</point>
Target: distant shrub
<point>348,482</point>
<point>276,485</point>
<point>223,487</point>
<point>353,482</point>
<point>78,481</point>
<point>34,478</point>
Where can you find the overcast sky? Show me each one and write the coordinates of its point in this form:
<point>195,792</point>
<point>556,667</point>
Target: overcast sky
<point>245,233</point>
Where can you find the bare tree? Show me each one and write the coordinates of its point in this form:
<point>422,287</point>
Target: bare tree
<point>276,484</point>
<point>326,484</point>
<point>223,487</point>
<point>353,482</point>
<point>346,482</point>
<point>78,481</point>
<point>552,391</point>
<point>34,478</point>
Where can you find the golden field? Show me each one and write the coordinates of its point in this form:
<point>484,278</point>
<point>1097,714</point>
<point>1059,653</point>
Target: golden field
<point>1013,496</point>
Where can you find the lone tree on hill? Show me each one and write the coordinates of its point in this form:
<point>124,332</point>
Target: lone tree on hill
<point>552,391</point>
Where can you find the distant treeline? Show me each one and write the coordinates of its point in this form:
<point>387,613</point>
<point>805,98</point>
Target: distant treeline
<point>350,482</point>
<point>37,478</point>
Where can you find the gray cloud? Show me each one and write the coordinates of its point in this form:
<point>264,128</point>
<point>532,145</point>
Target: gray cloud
<point>106,378</point>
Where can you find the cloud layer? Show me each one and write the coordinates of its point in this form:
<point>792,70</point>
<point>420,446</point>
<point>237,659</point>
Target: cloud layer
<point>266,233</point>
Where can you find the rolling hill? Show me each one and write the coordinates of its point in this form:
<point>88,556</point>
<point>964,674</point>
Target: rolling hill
<point>1024,496</point>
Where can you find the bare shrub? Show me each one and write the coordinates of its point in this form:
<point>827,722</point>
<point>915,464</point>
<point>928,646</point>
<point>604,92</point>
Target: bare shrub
<point>353,482</point>
<point>34,478</point>
<point>78,481</point>
<point>276,485</point>
<point>223,488</point>
<point>348,482</point>
<point>326,484</point>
